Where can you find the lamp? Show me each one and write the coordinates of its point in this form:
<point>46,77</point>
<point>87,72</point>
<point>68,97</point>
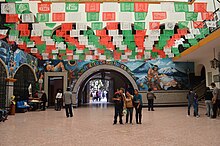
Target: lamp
<point>215,62</point>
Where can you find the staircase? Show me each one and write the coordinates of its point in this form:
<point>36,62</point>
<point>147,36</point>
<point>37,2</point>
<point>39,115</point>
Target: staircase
<point>200,89</point>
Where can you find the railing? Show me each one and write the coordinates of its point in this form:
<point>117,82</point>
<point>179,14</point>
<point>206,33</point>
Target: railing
<point>200,89</point>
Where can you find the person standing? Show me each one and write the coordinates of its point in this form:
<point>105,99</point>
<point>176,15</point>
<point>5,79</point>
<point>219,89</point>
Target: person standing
<point>68,103</point>
<point>190,98</point>
<point>138,108</point>
<point>44,100</point>
<point>196,105</point>
<point>215,100</point>
<point>150,98</point>
<point>208,102</point>
<point>119,104</point>
<point>129,106</point>
<point>59,100</point>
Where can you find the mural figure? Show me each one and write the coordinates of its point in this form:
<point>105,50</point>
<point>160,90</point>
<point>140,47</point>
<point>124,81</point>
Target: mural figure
<point>153,78</point>
<point>41,81</point>
<point>11,64</point>
<point>54,68</point>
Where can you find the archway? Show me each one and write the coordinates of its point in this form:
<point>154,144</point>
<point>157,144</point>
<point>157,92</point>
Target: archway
<point>107,69</point>
<point>25,76</point>
<point>3,76</point>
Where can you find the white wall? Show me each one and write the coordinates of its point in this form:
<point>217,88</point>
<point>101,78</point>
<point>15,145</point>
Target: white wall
<point>206,63</point>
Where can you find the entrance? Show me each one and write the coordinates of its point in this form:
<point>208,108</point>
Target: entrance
<point>100,87</point>
<point>55,83</point>
<point>98,90</point>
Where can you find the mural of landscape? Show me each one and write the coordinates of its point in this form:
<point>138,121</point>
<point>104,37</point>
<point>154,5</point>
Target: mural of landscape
<point>159,74</point>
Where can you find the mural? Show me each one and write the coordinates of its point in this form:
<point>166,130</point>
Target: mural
<point>13,58</point>
<point>159,74</point>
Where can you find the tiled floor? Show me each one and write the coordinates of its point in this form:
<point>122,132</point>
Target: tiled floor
<point>93,127</point>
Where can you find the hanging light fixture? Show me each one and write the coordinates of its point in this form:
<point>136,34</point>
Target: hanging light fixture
<point>215,62</point>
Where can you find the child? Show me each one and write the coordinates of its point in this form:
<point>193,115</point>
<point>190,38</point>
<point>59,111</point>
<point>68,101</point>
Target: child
<point>195,106</point>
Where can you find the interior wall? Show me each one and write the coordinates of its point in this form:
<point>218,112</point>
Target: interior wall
<point>206,63</point>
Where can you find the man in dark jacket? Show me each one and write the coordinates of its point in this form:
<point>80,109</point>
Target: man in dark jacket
<point>44,100</point>
<point>119,103</point>
<point>190,98</point>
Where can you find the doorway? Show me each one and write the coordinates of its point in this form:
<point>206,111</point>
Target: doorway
<point>55,83</point>
<point>98,90</point>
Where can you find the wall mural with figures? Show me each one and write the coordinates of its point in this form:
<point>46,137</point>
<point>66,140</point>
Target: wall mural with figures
<point>14,58</point>
<point>159,74</point>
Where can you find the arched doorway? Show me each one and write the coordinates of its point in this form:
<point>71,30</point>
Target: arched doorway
<point>116,76</point>
<point>25,76</point>
<point>3,76</point>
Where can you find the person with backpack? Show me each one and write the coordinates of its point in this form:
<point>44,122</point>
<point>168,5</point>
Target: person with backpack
<point>150,98</point>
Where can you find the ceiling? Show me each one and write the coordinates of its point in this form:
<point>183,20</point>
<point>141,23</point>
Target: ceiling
<point>203,52</point>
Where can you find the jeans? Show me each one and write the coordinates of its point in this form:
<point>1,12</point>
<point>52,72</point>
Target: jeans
<point>44,106</point>
<point>215,109</point>
<point>189,106</point>
<point>118,112</point>
<point>69,111</point>
<point>150,104</point>
<point>129,113</point>
<point>138,114</point>
<point>209,111</point>
<point>59,104</point>
<point>195,106</point>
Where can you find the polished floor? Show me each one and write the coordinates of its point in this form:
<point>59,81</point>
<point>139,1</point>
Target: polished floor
<point>92,126</point>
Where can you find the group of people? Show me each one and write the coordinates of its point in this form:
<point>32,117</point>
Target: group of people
<point>125,102</point>
<point>212,101</point>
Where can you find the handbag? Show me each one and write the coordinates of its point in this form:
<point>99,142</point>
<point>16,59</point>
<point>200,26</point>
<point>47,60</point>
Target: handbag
<point>124,112</point>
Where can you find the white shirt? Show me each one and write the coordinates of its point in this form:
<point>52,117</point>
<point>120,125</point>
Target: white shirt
<point>59,95</point>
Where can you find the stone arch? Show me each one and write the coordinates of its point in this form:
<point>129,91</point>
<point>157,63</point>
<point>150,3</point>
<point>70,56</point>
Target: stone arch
<point>6,69</point>
<point>3,76</point>
<point>25,76</point>
<point>25,64</point>
<point>198,69</point>
<point>95,69</point>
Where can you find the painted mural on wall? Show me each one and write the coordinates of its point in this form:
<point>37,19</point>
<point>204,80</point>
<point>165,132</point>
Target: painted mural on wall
<point>160,74</point>
<point>13,58</point>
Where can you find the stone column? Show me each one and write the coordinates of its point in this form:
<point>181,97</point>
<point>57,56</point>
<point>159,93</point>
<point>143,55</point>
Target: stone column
<point>9,90</point>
